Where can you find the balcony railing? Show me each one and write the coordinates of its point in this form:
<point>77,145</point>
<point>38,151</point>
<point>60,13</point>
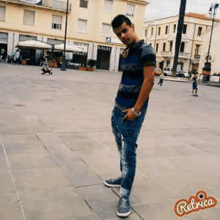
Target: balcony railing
<point>169,54</point>
<point>53,4</point>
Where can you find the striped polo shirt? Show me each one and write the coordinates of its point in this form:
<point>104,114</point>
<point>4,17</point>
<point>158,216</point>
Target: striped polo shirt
<point>139,56</point>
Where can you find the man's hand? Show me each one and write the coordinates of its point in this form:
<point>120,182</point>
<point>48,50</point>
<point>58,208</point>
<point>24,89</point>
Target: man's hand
<point>129,115</point>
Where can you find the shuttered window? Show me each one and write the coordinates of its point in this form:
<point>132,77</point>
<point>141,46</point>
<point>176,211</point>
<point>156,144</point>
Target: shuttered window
<point>2,13</point>
<point>29,17</point>
<point>56,22</point>
<point>83,3</point>
<point>130,10</point>
<point>82,25</point>
<point>106,28</point>
<point>109,5</point>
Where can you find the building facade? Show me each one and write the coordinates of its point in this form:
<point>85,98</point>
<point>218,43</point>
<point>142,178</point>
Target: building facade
<point>214,47</point>
<point>161,34</point>
<point>89,24</point>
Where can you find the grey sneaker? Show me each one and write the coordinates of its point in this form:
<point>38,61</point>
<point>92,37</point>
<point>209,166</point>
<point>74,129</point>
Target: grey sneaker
<point>124,208</point>
<point>113,182</point>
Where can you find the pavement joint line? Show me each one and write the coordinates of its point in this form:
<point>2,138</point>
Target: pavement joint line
<point>13,181</point>
<point>97,184</point>
<point>84,199</point>
<point>199,148</point>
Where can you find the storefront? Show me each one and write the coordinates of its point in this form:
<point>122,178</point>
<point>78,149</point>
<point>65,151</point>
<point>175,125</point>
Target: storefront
<point>3,45</point>
<point>29,55</point>
<point>80,57</point>
<point>103,57</point>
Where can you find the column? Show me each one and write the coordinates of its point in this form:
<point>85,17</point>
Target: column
<point>10,44</point>
<point>94,51</point>
<point>117,57</point>
<point>90,52</point>
<point>112,59</point>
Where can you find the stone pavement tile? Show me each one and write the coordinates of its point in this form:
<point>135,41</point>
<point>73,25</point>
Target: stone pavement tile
<point>88,217</point>
<point>28,161</point>
<point>102,201</point>
<point>24,148</point>
<point>80,173</point>
<point>79,142</point>
<point>19,138</point>
<point>10,207</point>
<point>99,156</point>
<point>6,184</point>
<point>53,203</point>
<point>40,178</point>
<point>3,163</point>
<point>195,164</point>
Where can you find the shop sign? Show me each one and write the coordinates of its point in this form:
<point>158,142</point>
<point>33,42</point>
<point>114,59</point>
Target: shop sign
<point>104,48</point>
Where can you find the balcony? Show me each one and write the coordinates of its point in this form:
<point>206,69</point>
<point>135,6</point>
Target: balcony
<point>166,53</point>
<point>51,4</point>
<point>184,55</point>
<point>171,54</point>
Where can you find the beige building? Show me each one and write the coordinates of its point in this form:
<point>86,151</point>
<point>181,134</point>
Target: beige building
<point>214,50</point>
<point>161,34</point>
<point>89,24</point>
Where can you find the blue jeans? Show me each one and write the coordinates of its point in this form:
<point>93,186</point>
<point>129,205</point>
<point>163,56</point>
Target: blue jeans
<point>126,134</point>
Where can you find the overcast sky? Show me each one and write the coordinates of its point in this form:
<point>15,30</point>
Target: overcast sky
<point>160,8</point>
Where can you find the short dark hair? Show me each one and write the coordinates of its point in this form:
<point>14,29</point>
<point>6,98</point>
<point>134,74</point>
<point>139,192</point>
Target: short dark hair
<point>119,20</point>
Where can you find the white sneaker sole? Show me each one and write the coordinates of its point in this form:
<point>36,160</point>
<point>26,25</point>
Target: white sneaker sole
<point>124,214</point>
<point>109,185</point>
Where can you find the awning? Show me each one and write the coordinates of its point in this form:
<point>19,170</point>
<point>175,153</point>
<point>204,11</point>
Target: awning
<point>70,48</point>
<point>33,44</point>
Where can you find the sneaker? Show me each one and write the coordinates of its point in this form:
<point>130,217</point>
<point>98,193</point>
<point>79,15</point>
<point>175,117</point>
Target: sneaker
<point>124,208</point>
<point>113,182</point>
<point>196,95</point>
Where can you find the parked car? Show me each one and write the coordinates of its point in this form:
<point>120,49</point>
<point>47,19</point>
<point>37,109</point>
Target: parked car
<point>167,71</point>
<point>181,73</point>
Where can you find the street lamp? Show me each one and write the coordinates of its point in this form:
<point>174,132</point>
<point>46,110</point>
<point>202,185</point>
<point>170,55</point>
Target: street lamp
<point>63,67</point>
<point>212,11</point>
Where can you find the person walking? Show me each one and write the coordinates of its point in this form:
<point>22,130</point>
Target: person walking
<point>131,102</point>
<point>161,79</point>
<point>195,85</point>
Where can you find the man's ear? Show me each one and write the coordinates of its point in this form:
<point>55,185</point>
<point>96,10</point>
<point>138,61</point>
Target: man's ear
<point>132,26</point>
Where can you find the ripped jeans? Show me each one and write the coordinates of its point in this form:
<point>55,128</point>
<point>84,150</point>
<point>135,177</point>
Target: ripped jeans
<point>126,134</point>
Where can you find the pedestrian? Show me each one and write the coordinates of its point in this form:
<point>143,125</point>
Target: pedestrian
<point>131,104</point>
<point>161,78</point>
<point>195,85</point>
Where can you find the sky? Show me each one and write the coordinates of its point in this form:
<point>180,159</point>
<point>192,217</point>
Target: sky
<point>160,8</point>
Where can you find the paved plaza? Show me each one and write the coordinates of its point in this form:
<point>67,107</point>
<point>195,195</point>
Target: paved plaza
<point>57,147</point>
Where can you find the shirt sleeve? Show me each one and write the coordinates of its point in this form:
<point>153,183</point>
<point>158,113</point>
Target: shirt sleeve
<point>148,56</point>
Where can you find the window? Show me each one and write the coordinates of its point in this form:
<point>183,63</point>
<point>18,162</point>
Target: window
<point>174,28</point>
<point>171,46</point>
<point>83,3</point>
<point>106,28</point>
<point>197,49</point>
<point>146,33</point>
<point>182,47</point>
<point>157,46</point>
<point>199,31</point>
<point>159,29</point>
<point>130,10</point>
<point>184,28</point>
<point>109,5</point>
<point>56,22</point>
<point>82,25</point>
<point>29,18</point>
<point>2,13</point>
<point>164,47</point>
<point>152,31</point>
<point>166,31</point>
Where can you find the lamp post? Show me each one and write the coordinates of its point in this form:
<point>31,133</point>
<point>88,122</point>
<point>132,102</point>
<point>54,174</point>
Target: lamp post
<point>63,67</point>
<point>212,11</point>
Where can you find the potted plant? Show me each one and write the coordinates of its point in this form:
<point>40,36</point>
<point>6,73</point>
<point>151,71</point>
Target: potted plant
<point>82,67</point>
<point>91,64</point>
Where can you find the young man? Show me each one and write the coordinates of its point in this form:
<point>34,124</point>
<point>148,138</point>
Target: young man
<point>130,105</point>
<point>194,85</point>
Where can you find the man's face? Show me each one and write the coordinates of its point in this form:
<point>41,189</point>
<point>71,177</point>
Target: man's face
<point>125,33</point>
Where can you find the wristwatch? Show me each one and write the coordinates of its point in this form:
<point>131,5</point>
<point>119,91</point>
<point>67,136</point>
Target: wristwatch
<point>136,113</point>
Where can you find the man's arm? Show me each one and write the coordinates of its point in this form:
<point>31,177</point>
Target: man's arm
<point>146,88</point>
